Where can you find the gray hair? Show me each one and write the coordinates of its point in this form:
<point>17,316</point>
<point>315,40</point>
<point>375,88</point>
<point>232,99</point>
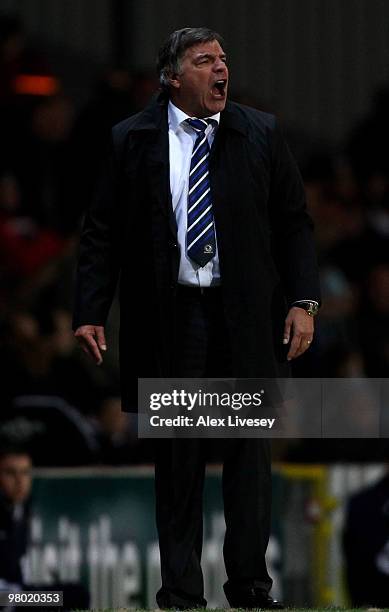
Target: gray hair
<point>171,52</point>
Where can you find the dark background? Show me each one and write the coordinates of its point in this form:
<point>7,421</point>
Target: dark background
<point>69,70</point>
<point>317,62</point>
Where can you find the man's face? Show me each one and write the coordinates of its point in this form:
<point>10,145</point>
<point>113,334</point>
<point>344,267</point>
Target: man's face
<point>15,477</point>
<point>200,90</point>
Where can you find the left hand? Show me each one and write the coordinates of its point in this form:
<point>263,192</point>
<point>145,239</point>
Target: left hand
<point>300,324</point>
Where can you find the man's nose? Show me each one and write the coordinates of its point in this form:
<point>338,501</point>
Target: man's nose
<point>220,66</point>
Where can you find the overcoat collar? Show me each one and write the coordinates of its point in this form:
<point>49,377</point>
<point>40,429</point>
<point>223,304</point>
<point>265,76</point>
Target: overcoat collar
<point>154,117</point>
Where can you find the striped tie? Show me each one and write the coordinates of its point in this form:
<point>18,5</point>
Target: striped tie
<point>200,236</point>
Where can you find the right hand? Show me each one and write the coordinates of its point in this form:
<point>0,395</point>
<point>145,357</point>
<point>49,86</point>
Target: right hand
<point>91,338</point>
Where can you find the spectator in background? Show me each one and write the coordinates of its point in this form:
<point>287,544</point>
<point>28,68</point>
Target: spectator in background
<point>367,144</point>
<point>12,54</point>
<point>366,545</point>
<point>117,95</point>
<point>49,387</point>
<point>374,322</point>
<point>17,57</point>
<point>39,358</point>
<point>15,514</point>
<point>110,102</point>
<point>15,489</point>
<point>26,249</point>
<point>39,154</point>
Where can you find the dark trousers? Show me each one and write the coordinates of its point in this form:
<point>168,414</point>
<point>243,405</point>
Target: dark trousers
<point>202,350</point>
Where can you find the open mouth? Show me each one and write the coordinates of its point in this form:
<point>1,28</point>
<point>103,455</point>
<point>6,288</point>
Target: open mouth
<point>219,88</point>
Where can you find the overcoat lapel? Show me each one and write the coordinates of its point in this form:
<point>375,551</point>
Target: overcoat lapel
<point>158,174</point>
<point>152,128</point>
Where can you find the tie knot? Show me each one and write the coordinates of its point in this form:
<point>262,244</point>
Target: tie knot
<point>199,125</point>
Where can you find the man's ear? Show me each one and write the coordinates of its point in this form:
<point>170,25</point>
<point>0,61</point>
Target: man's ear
<point>174,81</point>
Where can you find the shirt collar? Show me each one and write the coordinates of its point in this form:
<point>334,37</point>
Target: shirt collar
<point>176,117</point>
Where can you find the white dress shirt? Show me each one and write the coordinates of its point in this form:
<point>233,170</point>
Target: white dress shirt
<point>181,140</point>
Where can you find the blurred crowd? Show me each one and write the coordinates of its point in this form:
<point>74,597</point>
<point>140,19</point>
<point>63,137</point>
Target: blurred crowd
<point>56,402</point>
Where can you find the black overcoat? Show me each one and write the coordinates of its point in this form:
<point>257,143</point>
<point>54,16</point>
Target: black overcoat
<point>266,250</point>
